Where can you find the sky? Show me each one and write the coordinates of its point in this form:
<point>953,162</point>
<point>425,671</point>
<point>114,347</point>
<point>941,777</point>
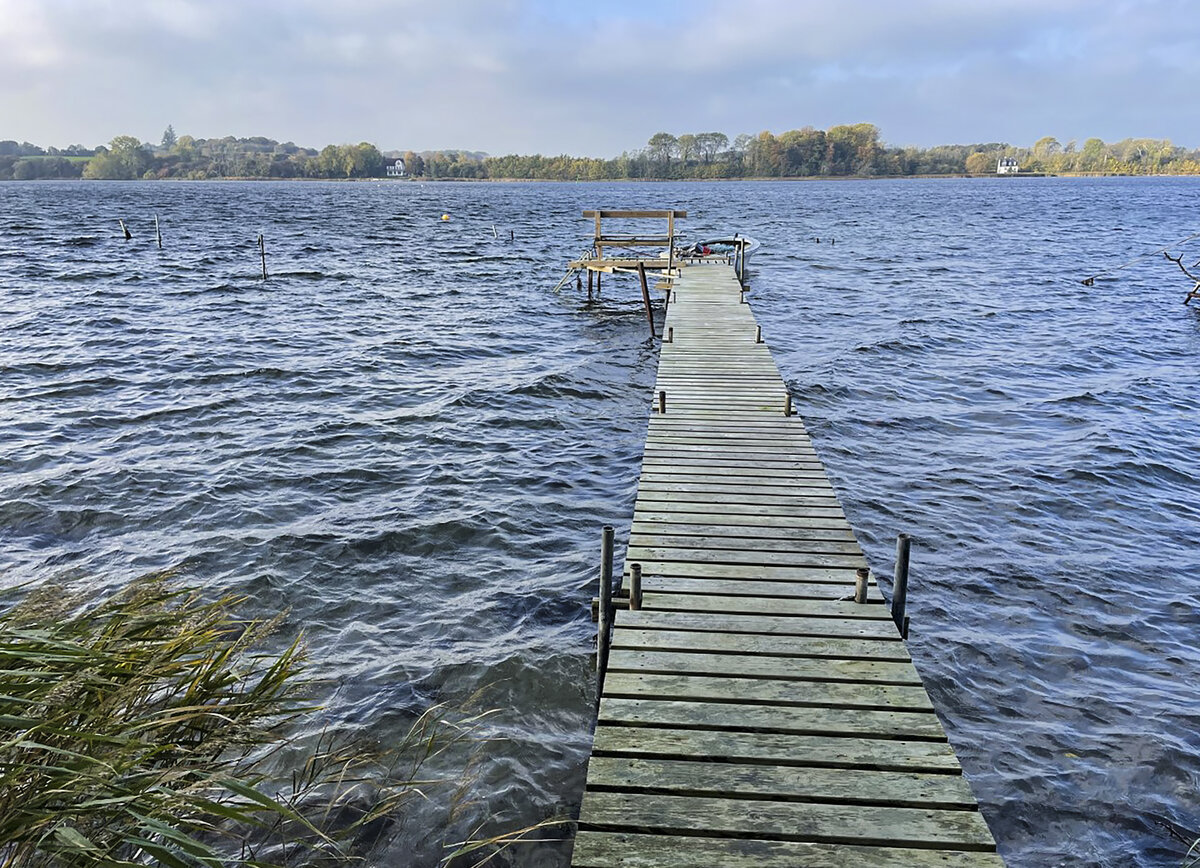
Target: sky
<point>595,78</point>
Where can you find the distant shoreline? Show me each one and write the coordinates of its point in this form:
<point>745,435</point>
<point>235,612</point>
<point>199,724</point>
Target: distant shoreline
<point>753,179</point>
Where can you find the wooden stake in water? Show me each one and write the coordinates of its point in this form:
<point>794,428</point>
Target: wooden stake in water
<point>495,234</point>
<point>262,250</point>
<point>157,232</point>
<point>606,606</point>
<point>900,584</point>
<point>125,229</point>
<point>646,297</point>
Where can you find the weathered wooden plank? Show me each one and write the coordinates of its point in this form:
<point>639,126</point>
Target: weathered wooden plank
<point>732,690</point>
<point>727,488</point>
<point>729,542</point>
<point>730,665</point>
<point>765,557</point>
<point>812,823</point>
<point>801,573</point>
<point>833,519</point>
<point>799,530</point>
<point>633,850</point>
<point>765,606</point>
<point>729,512</point>
<point>750,587</point>
<point>818,751</point>
<point>881,629</point>
<point>780,783</point>
<point>775,646</point>
<point>780,720</point>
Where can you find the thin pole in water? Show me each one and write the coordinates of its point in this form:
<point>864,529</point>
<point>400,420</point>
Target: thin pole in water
<point>262,249</point>
<point>606,612</point>
<point>125,229</point>
<point>900,584</point>
<point>158,232</point>
<point>646,297</point>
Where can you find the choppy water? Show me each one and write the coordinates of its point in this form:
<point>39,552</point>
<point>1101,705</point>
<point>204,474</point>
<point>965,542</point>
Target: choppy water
<point>403,437</point>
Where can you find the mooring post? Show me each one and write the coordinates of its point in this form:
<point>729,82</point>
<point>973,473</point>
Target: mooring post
<point>262,249</point>
<point>157,232</point>
<point>787,404</point>
<point>900,584</point>
<point>606,607</point>
<point>861,576</point>
<point>758,334</point>
<point>635,586</point>
<point>670,334</point>
<point>125,229</point>
<point>662,402</point>
<point>646,296</point>
<point>741,260</point>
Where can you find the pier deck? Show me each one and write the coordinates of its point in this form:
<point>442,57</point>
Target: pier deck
<point>752,714</point>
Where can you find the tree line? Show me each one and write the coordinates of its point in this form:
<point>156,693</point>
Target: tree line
<point>854,150</point>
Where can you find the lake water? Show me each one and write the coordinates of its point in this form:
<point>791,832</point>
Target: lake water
<point>407,440</point>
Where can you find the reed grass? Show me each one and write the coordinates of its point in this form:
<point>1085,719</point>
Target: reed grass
<point>147,728</point>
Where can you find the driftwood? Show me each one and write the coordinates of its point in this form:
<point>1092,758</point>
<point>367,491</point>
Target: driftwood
<point>1178,260</point>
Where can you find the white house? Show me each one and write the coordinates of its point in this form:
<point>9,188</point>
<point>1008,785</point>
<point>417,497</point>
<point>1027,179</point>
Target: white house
<point>1007,166</point>
<point>396,169</point>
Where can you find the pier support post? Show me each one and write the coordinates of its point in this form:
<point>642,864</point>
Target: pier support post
<point>900,584</point>
<point>646,297</point>
<point>589,271</point>
<point>635,587</point>
<point>861,577</point>
<point>606,607</point>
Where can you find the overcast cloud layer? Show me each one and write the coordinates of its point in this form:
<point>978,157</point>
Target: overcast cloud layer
<point>553,76</point>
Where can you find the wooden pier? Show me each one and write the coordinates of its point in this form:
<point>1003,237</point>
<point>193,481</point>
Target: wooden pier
<point>752,714</point>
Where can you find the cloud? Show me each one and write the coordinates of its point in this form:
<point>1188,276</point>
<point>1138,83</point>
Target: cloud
<point>556,76</point>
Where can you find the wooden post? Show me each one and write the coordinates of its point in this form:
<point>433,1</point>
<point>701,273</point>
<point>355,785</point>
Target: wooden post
<point>900,584</point>
<point>662,402</point>
<point>670,241</point>
<point>599,274</point>
<point>157,232</point>
<point>635,587</point>
<point>670,334</point>
<point>758,334</point>
<point>741,261</point>
<point>606,606</point>
<point>262,249</point>
<point>646,296</point>
<point>787,404</point>
<point>589,271</point>
<point>495,234</point>
<point>125,229</point>
<point>861,577</point>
